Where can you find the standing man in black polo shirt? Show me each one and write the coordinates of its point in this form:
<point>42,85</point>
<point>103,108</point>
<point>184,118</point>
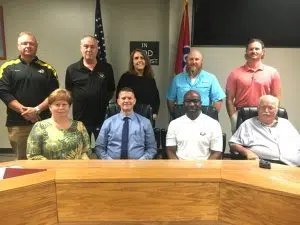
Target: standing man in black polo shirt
<point>92,85</point>
<point>25,84</point>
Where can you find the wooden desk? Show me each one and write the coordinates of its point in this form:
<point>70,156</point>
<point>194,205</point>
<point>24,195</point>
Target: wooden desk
<point>156,192</point>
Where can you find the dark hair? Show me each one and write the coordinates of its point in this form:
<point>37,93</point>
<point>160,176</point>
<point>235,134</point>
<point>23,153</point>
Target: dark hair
<point>255,40</point>
<point>190,92</point>
<point>127,89</point>
<point>148,72</point>
<point>60,94</point>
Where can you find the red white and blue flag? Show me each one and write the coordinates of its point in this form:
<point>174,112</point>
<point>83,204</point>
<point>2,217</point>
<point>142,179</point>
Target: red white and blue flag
<point>99,32</point>
<point>183,46</point>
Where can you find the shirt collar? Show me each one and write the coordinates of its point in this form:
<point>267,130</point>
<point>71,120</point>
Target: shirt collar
<point>273,124</point>
<point>122,115</point>
<point>33,60</point>
<point>82,66</point>
<point>248,69</point>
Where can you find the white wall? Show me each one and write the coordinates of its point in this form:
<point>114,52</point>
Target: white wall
<point>60,24</point>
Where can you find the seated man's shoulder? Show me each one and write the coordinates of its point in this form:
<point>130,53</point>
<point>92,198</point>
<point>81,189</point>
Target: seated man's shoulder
<point>284,121</point>
<point>142,118</point>
<point>209,120</point>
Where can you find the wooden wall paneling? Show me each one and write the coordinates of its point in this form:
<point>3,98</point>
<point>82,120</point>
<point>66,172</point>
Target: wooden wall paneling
<point>242,205</point>
<point>138,203</point>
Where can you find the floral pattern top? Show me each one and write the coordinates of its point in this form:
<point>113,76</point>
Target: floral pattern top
<point>46,141</point>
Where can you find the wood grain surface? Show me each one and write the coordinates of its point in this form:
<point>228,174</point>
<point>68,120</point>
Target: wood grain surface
<point>137,202</point>
<point>158,192</point>
<point>34,204</point>
<point>242,205</point>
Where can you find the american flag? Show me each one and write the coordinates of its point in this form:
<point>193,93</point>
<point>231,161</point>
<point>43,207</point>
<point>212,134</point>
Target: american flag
<point>183,46</point>
<point>99,32</point>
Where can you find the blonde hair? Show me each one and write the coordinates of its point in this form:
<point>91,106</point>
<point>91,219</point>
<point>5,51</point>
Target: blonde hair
<point>60,94</point>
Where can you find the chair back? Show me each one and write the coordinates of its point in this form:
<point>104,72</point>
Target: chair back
<point>249,112</point>
<point>142,109</point>
<point>210,111</point>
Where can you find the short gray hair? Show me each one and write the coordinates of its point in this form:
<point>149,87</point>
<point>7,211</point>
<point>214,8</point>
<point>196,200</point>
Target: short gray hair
<point>89,36</point>
<point>269,98</point>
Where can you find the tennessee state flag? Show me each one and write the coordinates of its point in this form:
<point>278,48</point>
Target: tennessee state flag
<point>183,46</point>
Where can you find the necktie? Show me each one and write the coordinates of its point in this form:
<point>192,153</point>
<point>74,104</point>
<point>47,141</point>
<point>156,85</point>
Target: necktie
<point>124,144</point>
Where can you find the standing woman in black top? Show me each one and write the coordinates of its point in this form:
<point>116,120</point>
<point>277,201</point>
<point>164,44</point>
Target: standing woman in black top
<point>140,78</point>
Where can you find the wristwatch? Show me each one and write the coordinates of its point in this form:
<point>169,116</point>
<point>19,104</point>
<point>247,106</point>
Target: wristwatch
<point>37,110</point>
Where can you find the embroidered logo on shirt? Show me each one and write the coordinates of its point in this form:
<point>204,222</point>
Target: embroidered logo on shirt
<point>41,71</point>
<point>17,70</point>
<point>101,75</point>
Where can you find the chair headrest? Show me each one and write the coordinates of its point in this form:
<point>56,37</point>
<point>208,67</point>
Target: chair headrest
<point>249,112</point>
<point>207,110</point>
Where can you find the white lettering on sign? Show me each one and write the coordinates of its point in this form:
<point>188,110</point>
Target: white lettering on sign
<point>144,45</point>
<point>149,53</point>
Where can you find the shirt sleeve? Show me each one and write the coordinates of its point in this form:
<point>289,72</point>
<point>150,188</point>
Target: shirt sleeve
<point>68,81</point>
<point>85,141</point>
<point>35,143</point>
<point>216,143</point>
<point>216,93</point>
<point>102,141</point>
<point>150,143</point>
<point>171,135</point>
<point>231,84</point>
<point>156,100</point>
<point>122,83</point>
<point>242,136</point>
<point>6,84</point>
<point>276,84</point>
<point>172,90</point>
<point>110,79</point>
<point>53,80</point>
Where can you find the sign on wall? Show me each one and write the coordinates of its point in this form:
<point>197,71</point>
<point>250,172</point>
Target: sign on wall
<point>151,49</point>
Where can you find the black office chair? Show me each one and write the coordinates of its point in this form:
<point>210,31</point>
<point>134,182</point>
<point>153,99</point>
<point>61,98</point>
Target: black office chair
<point>143,110</point>
<point>247,113</point>
<point>210,111</point>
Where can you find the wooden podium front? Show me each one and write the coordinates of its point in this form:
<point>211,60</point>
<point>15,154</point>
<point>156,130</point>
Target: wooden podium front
<point>151,192</point>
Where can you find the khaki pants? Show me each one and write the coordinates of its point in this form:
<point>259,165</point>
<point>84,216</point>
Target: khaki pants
<point>233,121</point>
<point>17,136</point>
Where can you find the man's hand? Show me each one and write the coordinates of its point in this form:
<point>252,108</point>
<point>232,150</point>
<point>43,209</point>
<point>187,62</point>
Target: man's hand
<point>251,155</point>
<point>30,114</point>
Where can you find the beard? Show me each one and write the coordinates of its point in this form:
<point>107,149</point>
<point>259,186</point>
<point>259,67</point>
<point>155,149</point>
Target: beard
<point>193,70</point>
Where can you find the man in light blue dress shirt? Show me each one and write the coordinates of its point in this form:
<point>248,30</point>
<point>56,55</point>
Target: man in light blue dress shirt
<point>197,79</point>
<point>141,145</point>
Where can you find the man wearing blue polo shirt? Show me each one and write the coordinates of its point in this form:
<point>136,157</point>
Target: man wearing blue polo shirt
<point>195,79</point>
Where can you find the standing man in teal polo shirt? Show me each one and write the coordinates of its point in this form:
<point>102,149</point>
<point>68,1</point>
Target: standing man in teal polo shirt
<point>195,79</point>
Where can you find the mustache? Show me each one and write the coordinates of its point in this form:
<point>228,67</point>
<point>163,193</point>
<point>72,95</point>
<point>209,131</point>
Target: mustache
<point>267,114</point>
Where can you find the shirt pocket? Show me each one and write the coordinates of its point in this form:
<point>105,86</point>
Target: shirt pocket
<point>181,90</point>
<point>204,86</point>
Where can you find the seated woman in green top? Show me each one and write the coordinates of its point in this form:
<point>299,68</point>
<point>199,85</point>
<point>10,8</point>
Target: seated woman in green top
<point>58,137</point>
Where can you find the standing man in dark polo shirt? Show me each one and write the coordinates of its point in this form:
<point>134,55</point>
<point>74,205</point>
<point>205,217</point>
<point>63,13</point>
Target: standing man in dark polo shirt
<point>25,84</point>
<point>92,85</point>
